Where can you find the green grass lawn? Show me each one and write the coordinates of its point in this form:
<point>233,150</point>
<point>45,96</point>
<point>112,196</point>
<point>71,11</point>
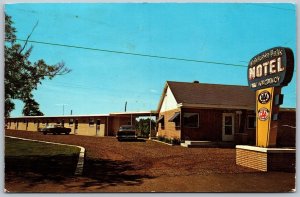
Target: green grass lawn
<point>36,157</point>
<point>16,147</point>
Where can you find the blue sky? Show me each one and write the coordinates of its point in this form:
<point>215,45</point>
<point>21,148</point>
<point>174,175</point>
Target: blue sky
<point>101,82</point>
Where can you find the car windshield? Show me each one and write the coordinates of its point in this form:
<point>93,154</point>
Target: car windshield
<point>50,126</point>
<point>126,127</point>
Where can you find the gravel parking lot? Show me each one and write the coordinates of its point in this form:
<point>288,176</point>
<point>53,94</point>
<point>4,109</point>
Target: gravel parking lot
<point>147,166</point>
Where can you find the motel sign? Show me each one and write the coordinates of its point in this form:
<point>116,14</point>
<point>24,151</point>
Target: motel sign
<point>267,73</point>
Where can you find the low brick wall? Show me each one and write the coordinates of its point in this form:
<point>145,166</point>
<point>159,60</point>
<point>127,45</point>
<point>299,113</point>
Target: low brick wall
<point>266,159</point>
<point>251,159</point>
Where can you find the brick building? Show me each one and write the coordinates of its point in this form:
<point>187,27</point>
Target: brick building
<point>217,113</point>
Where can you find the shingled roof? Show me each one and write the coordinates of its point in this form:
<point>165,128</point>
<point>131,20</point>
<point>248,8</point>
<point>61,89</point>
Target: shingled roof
<point>228,96</point>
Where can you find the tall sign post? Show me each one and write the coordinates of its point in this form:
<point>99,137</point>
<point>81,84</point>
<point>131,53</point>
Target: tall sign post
<point>267,73</point>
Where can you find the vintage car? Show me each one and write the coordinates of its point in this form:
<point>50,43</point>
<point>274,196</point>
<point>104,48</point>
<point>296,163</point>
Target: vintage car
<point>126,132</point>
<point>55,129</point>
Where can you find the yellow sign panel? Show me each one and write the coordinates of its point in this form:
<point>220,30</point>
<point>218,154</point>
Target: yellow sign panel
<point>263,115</point>
<point>266,129</point>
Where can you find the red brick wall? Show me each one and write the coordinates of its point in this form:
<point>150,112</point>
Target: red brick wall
<point>251,133</point>
<point>210,125</point>
<point>286,133</point>
<point>282,162</point>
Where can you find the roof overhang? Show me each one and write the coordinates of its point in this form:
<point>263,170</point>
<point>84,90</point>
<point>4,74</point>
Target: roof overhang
<point>175,117</point>
<point>63,116</point>
<point>213,106</point>
<point>143,113</point>
<point>160,119</point>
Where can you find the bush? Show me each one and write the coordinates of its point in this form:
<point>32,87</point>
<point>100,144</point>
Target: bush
<point>175,141</point>
<point>167,140</point>
<point>161,138</point>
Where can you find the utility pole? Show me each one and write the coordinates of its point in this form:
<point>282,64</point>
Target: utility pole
<point>125,106</point>
<point>150,125</point>
<point>63,107</point>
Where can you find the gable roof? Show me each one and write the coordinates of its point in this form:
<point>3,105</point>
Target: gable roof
<point>211,95</point>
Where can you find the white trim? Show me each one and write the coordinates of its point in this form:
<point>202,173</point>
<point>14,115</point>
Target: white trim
<point>266,150</point>
<point>228,137</point>
<point>169,102</point>
<point>146,113</point>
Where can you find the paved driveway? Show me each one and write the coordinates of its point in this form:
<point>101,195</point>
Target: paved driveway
<point>146,166</point>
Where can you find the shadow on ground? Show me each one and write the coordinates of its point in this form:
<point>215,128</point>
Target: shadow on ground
<point>35,170</point>
<point>60,169</point>
<point>103,172</point>
<point>129,140</point>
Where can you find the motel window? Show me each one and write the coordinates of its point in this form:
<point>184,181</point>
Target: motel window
<point>76,124</point>
<point>251,122</point>
<point>71,121</point>
<point>191,120</point>
<point>91,122</point>
<point>176,119</point>
<point>98,121</point>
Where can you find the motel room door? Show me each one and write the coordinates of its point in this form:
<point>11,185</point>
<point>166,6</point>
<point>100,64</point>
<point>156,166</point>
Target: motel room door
<point>228,127</point>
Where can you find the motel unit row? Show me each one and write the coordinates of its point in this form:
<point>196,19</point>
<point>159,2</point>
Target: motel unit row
<point>190,111</point>
<point>89,125</point>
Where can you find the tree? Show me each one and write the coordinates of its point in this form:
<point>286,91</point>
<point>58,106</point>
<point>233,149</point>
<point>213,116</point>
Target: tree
<point>143,126</point>
<point>21,75</point>
<point>31,108</point>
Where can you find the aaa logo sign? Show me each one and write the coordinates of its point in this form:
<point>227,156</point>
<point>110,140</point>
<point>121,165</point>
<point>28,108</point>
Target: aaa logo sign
<point>264,97</point>
<point>263,114</point>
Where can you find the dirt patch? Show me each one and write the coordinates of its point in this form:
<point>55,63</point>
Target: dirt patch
<point>145,166</point>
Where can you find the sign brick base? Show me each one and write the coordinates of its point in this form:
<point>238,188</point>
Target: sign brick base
<point>266,159</point>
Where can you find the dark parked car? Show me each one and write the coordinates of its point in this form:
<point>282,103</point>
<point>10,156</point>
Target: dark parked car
<point>56,129</point>
<point>126,132</point>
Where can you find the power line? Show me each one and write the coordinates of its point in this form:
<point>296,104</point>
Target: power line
<point>135,54</point>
